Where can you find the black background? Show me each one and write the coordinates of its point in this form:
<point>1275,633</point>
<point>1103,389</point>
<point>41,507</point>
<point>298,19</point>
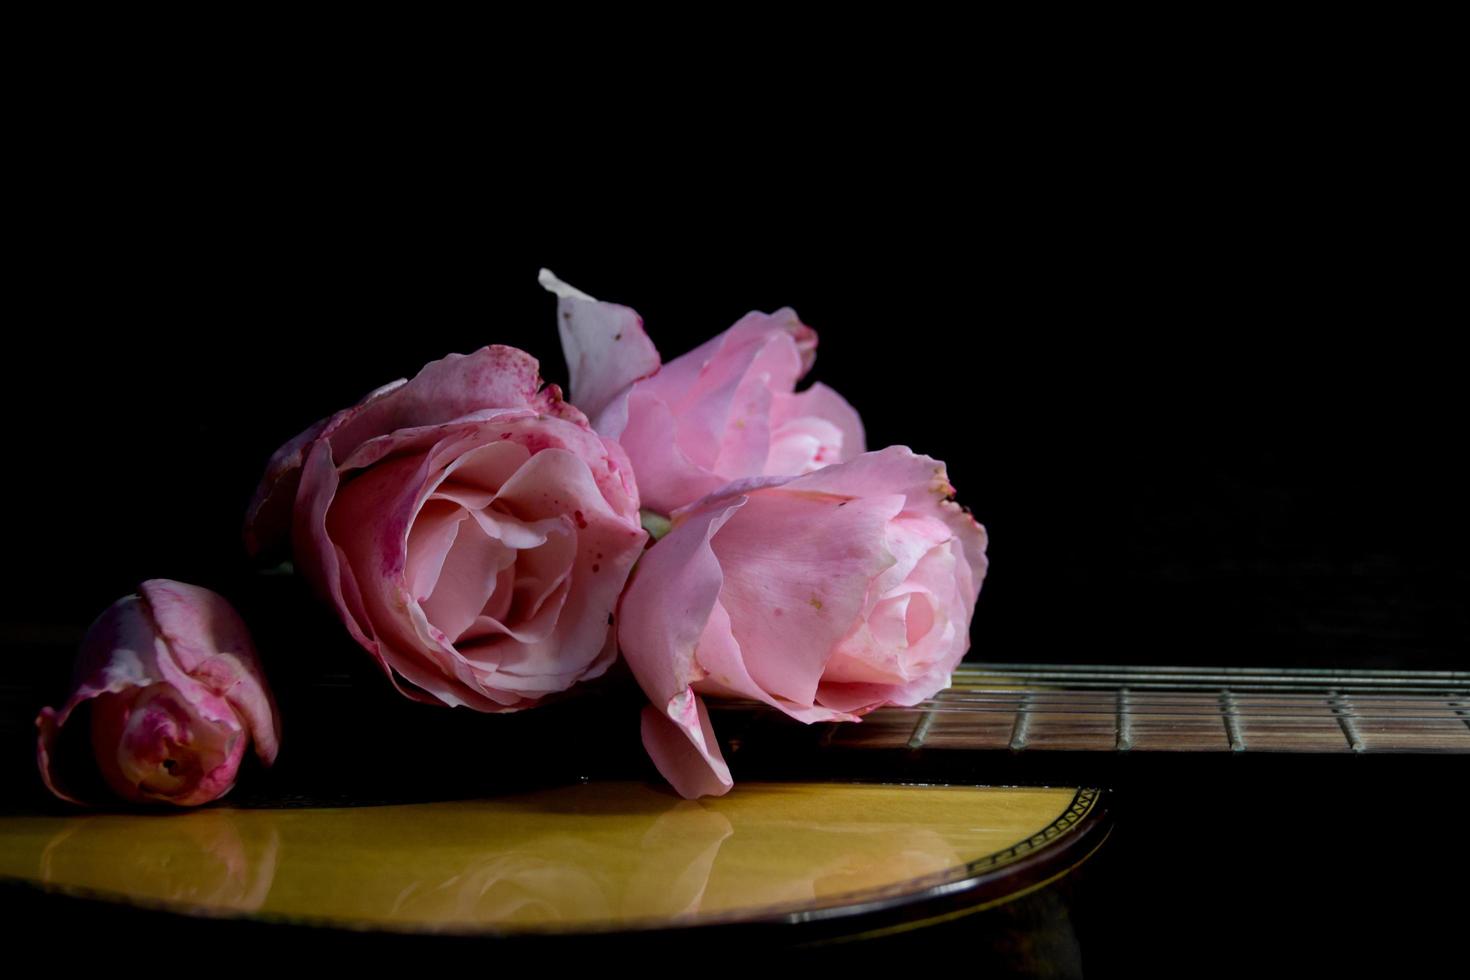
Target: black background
<point>1209,411</point>
<point>1191,352</point>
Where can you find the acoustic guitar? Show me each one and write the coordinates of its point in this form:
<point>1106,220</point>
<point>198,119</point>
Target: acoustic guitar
<point>914,821</point>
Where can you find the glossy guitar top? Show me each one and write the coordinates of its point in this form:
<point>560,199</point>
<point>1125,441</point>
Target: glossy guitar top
<point>830,859</point>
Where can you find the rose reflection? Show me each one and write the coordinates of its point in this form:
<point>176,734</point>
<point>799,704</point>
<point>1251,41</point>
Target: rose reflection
<point>594,866</point>
<point>593,855</point>
<point>813,865</point>
<point>198,860</point>
<point>581,877</point>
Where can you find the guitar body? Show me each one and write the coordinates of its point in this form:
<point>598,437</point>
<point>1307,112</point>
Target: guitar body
<point>1218,811</point>
<point>802,863</point>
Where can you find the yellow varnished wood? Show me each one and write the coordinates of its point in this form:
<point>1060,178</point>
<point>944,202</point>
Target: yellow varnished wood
<point>594,855</point>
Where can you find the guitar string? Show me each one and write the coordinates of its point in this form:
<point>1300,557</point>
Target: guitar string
<point>1326,718</point>
<point>1252,689</point>
<point>1212,684</point>
<point>1297,673</point>
<point>1257,694</point>
<point>1163,699</point>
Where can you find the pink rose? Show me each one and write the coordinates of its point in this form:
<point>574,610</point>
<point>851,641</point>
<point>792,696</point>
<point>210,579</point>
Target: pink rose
<point>471,529</point>
<point>726,410</point>
<point>825,595</point>
<point>177,692</point>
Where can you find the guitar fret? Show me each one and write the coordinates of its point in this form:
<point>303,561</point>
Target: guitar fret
<point>1022,726</point>
<point>921,730</point>
<point>1232,722</point>
<point>1125,722</point>
<point>1342,707</point>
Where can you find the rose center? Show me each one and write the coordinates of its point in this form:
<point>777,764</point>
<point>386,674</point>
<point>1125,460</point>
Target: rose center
<point>483,573</point>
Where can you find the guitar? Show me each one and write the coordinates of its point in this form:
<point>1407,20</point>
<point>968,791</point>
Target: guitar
<point>905,825</point>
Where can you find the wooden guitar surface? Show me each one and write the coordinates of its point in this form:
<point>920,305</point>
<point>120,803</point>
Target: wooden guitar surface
<point>830,834</point>
<point>831,859</point>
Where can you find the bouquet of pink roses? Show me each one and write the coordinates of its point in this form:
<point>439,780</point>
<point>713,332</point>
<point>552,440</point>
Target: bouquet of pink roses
<point>493,544</point>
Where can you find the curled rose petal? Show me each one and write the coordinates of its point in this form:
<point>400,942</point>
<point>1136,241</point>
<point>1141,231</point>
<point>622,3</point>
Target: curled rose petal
<point>176,693</point>
<point>605,344</point>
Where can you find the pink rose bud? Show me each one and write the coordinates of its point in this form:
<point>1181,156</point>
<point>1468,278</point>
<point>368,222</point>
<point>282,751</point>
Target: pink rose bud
<point>721,412</point>
<point>825,596</point>
<point>470,528</point>
<point>176,692</point>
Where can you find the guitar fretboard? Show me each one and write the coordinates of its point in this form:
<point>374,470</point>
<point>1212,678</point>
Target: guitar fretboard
<point>1038,708</point>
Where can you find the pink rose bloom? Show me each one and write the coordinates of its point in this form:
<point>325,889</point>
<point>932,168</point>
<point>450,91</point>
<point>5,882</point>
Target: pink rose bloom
<point>726,410</point>
<point>471,529</point>
<point>177,693</point>
<point>825,596</point>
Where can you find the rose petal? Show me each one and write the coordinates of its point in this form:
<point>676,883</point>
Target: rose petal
<point>822,403</point>
<point>135,734</point>
<point>471,430</point>
<point>429,540</point>
<point>665,607</point>
<point>927,491</point>
<point>559,483</point>
<point>369,521</point>
<point>118,652</point>
<point>605,345</point>
<point>909,539</point>
<point>728,356</point>
<point>471,568</point>
<point>269,517</point>
<point>682,744</point>
<point>803,445</point>
<point>755,355</point>
<point>856,698</point>
<point>515,533</point>
<point>797,567</point>
<point>745,439</point>
<point>475,478</point>
<point>719,657</point>
<point>667,478</point>
<point>498,608</point>
<point>544,567</point>
<point>213,664</point>
<point>492,377</point>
